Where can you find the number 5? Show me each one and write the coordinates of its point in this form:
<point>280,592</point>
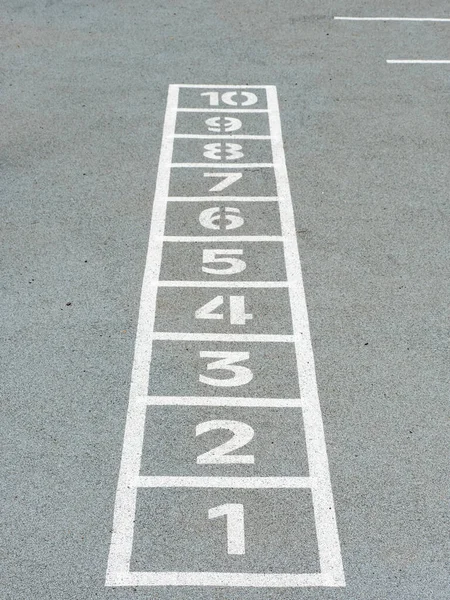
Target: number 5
<point>227,361</point>
<point>219,255</point>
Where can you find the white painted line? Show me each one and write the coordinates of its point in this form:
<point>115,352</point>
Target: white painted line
<point>222,199</point>
<point>125,505</point>
<point>222,401</point>
<point>430,19</point>
<point>223,238</point>
<point>221,137</point>
<point>224,110</point>
<point>327,534</point>
<point>224,87</point>
<point>223,284</point>
<point>222,337</point>
<point>418,62</point>
<point>222,165</point>
<point>226,482</point>
<point>263,580</point>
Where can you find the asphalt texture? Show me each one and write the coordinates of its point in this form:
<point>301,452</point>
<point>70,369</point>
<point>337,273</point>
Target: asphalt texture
<point>84,88</point>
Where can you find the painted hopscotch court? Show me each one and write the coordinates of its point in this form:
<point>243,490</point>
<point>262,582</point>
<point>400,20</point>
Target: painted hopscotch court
<point>224,479</point>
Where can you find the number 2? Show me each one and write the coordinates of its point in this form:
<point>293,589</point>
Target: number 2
<point>219,455</point>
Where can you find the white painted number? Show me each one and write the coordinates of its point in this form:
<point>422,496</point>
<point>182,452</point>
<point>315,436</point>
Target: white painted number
<point>238,316</point>
<point>227,362</point>
<point>211,218</point>
<point>229,98</point>
<point>243,434</point>
<point>222,255</point>
<point>228,179</point>
<point>235,525</point>
<point>226,124</point>
<point>214,151</point>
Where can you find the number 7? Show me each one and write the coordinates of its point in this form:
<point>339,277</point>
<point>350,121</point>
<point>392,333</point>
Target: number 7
<point>228,179</point>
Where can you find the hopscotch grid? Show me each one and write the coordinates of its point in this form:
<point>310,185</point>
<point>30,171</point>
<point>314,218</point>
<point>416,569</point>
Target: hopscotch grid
<point>118,571</point>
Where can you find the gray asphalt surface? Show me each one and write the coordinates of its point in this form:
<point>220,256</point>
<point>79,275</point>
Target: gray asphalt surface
<point>84,89</point>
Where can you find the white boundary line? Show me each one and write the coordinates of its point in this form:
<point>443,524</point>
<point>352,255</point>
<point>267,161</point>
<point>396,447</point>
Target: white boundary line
<point>221,401</point>
<point>224,87</point>
<point>224,284</point>
<point>124,509</point>
<point>327,534</point>
<point>224,110</point>
<point>192,136</point>
<point>265,580</point>
<point>226,482</point>
<point>430,19</point>
<point>222,165</point>
<point>417,62</point>
<point>223,238</point>
<point>222,199</point>
<point>222,337</point>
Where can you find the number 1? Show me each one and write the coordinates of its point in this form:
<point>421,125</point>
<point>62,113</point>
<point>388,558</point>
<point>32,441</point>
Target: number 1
<point>235,525</point>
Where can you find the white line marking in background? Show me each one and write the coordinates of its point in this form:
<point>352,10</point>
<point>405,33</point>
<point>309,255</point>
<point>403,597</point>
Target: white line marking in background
<point>221,401</point>
<point>417,62</point>
<point>431,19</point>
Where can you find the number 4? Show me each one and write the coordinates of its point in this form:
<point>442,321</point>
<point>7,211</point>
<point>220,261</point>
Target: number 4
<point>238,316</point>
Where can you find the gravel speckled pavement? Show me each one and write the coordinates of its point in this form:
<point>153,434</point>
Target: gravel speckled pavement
<point>84,91</point>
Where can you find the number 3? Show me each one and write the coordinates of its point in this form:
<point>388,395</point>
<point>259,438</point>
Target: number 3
<point>227,361</point>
